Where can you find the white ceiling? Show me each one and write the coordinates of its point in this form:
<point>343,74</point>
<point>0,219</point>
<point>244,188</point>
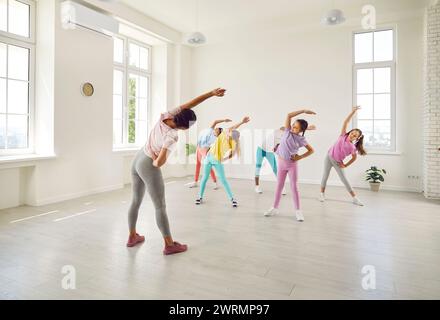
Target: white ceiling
<point>217,14</point>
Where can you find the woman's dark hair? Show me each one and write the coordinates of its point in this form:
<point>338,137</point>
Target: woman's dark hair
<point>185,119</point>
<point>304,125</point>
<point>360,143</point>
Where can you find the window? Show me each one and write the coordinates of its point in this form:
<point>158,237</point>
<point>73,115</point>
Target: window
<point>374,88</point>
<point>131,92</point>
<point>16,76</point>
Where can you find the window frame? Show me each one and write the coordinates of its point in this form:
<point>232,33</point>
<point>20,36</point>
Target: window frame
<point>126,70</point>
<point>32,22</point>
<point>27,43</point>
<point>375,65</point>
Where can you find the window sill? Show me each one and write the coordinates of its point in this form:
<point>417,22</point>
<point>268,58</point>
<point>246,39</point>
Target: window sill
<point>384,153</point>
<point>126,151</point>
<point>23,160</point>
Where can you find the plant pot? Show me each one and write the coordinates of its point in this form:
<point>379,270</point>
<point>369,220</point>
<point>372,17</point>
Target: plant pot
<point>375,186</point>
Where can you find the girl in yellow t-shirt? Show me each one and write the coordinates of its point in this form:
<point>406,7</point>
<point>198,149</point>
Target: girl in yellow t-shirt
<point>224,147</point>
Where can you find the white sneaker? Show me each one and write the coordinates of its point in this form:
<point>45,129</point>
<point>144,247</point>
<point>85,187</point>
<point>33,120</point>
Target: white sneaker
<point>193,184</point>
<point>271,212</point>
<point>321,197</point>
<point>258,190</point>
<point>357,202</point>
<point>284,192</point>
<point>299,216</point>
<point>215,187</point>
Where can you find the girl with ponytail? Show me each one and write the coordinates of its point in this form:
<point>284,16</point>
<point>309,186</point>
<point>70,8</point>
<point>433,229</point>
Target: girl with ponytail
<point>292,140</point>
<point>349,143</point>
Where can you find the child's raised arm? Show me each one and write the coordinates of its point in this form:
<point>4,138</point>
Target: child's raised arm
<point>217,122</point>
<point>294,114</point>
<point>238,125</point>
<point>348,119</point>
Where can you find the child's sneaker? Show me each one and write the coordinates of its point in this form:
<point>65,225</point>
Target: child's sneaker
<point>193,184</point>
<point>299,216</point>
<point>271,212</point>
<point>357,202</point>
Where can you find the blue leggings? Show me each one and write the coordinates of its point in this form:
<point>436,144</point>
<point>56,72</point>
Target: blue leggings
<point>208,163</point>
<point>271,158</point>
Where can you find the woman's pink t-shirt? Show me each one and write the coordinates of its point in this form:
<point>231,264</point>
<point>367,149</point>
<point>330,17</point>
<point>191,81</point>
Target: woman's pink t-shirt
<point>342,149</point>
<point>162,136</point>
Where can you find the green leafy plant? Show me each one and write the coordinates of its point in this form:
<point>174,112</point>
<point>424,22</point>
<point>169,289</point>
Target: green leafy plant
<point>375,175</point>
<point>190,149</point>
<point>132,110</point>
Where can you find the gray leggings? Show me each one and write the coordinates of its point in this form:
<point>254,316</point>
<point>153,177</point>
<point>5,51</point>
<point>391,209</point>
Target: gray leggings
<point>329,163</point>
<point>144,174</point>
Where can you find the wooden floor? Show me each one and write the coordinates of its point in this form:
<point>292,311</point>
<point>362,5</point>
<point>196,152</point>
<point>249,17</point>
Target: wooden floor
<point>233,254</point>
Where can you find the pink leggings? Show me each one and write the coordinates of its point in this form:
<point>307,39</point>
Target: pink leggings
<point>287,167</point>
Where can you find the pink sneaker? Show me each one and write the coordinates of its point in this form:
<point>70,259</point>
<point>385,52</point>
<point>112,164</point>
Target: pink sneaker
<point>176,248</point>
<point>134,240</point>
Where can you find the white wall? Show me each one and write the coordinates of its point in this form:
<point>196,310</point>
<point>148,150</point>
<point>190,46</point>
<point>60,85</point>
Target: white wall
<point>83,126</point>
<point>10,187</point>
<point>271,73</point>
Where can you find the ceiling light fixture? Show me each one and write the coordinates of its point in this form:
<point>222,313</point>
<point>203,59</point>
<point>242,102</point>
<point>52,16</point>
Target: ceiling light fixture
<point>333,17</point>
<point>196,38</point>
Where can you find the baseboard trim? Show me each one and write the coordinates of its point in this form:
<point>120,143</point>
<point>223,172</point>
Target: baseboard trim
<point>77,195</point>
<point>334,183</point>
<point>337,183</point>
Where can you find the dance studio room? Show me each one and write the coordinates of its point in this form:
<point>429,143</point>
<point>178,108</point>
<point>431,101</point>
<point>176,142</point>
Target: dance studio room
<point>219,150</point>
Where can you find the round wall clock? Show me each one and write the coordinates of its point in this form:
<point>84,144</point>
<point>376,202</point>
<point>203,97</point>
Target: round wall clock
<point>87,89</point>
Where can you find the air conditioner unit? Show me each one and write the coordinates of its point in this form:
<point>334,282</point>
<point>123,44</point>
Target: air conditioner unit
<point>75,15</point>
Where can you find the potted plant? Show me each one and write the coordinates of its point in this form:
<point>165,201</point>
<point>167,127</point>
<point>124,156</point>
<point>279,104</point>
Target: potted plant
<point>190,149</point>
<point>375,176</point>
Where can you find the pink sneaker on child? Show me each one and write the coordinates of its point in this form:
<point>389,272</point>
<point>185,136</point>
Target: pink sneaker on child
<point>134,240</point>
<point>176,248</point>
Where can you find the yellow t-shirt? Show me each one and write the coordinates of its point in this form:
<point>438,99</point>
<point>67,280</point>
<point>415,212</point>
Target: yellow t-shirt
<point>222,145</point>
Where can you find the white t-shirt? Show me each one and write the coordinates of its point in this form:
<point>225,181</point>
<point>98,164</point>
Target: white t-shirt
<point>206,138</point>
<point>162,136</point>
<point>271,140</point>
